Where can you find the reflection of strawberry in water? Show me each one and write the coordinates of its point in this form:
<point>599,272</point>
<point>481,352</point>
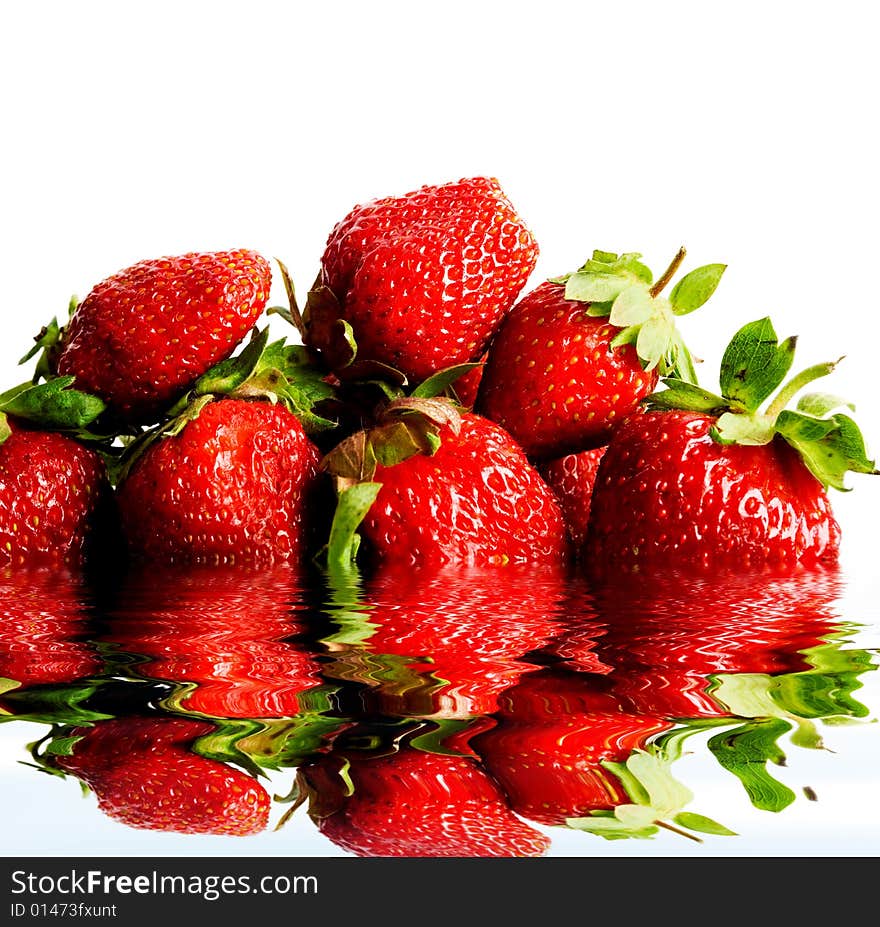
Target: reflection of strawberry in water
<point>224,629</point>
<point>145,776</point>
<point>668,633</point>
<point>555,731</point>
<point>44,626</point>
<point>445,642</point>
<point>416,804</point>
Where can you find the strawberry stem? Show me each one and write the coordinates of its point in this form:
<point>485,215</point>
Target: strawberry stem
<point>678,830</point>
<point>669,273</point>
<point>796,384</point>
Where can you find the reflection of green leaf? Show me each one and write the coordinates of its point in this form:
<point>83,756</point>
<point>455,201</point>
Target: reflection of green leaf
<point>702,824</point>
<point>55,704</point>
<point>745,752</point>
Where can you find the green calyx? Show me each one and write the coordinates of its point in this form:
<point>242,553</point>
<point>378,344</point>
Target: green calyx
<point>753,368</point>
<point>405,427</point>
<point>622,288</point>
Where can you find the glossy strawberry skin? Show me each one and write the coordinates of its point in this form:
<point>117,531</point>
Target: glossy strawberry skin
<point>553,380</point>
<point>222,633</point>
<point>142,336</point>
<point>672,633</point>
<point>54,498</point>
<point>476,501</point>
<point>417,804</point>
<point>233,486</point>
<point>668,493</point>
<point>44,626</point>
<point>572,478</point>
<point>554,733</point>
<point>425,278</point>
<point>446,642</point>
<point>145,776</point>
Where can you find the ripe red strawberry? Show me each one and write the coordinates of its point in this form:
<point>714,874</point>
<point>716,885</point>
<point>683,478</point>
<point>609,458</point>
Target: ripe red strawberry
<point>425,278</point>
<point>555,731</point>
<point>145,776</point>
<point>44,625</point>
<point>454,489</point>
<point>700,479</point>
<point>224,630</point>
<point>232,486</point>
<point>572,477</point>
<point>54,497</point>
<point>577,354</point>
<point>445,642</point>
<point>145,334</point>
<point>416,804</point>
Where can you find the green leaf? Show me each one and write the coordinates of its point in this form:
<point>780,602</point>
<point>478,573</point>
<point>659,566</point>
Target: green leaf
<point>755,364</point>
<point>595,287</point>
<point>633,306</point>
<point>666,795</point>
<point>745,752</point>
<point>653,341</point>
<point>687,396</point>
<point>437,384</point>
<point>48,337</point>
<point>829,447</point>
<point>737,428</point>
<point>53,405</point>
<point>695,288</point>
<point>820,405</point>
<point>229,374</point>
<point>351,508</point>
<point>610,828</point>
<point>5,430</point>
<point>702,824</point>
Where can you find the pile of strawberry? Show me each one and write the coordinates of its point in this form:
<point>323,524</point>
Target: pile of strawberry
<point>426,409</point>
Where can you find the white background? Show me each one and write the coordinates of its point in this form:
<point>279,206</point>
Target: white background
<point>747,132</point>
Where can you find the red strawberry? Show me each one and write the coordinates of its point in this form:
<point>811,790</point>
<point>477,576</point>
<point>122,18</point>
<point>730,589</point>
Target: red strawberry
<point>474,499</point>
<point>555,732</point>
<point>572,478</point>
<point>232,486</point>
<point>54,497</point>
<point>445,642</point>
<point>145,776</point>
<point>577,354</point>
<point>144,335</point>
<point>224,630</point>
<point>703,479</point>
<point>425,278</point>
<point>416,804</point>
<point>44,627</point>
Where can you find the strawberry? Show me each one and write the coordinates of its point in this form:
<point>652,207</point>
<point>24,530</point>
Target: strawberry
<point>698,479</point>
<point>229,483</point>
<point>415,804</point>
<point>423,279</point>
<point>55,502</point>
<point>579,352</point>
<point>145,776</point>
<point>219,633</point>
<point>445,642</point>
<point>554,735</point>
<point>142,336</point>
<point>572,477</point>
<point>449,487</point>
<point>44,624</point>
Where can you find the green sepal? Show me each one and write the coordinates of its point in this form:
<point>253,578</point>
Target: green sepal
<point>438,383</point>
<point>53,405</point>
<point>679,394</point>
<point>695,288</point>
<point>755,364</point>
<point>351,508</point>
<point>702,824</point>
<point>829,447</point>
<point>48,337</point>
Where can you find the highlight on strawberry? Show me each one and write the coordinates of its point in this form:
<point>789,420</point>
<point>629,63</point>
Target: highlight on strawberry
<point>700,479</point>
